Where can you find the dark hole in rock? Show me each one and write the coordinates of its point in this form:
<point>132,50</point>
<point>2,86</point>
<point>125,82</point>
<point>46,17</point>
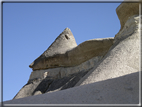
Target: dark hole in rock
<point>67,37</point>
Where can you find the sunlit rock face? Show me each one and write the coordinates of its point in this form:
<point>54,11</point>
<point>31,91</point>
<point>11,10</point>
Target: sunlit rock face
<point>65,53</point>
<point>64,42</point>
<point>123,90</point>
<point>97,71</point>
<point>69,67</point>
<point>123,57</point>
<point>126,10</point>
<point>82,57</point>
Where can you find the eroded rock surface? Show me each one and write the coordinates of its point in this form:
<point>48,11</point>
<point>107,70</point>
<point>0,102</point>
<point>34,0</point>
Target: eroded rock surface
<point>121,90</point>
<point>105,70</point>
<point>77,59</point>
<point>49,84</point>
<point>122,58</point>
<point>77,55</point>
<point>126,10</point>
<point>28,89</point>
<point>64,42</point>
<point>61,72</point>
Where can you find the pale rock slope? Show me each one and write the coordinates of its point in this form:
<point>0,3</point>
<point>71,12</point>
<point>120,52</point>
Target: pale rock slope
<point>121,90</point>
<point>103,71</point>
<point>123,57</point>
<point>69,66</point>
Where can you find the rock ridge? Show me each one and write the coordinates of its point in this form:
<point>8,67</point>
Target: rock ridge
<point>77,55</point>
<point>109,66</point>
<point>42,81</point>
<point>64,42</point>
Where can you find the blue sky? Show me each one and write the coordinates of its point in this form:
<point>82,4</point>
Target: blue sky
<point>30,28</point>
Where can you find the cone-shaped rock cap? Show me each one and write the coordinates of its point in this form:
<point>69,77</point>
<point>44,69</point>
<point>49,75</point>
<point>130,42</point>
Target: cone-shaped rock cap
<point>64,42</point>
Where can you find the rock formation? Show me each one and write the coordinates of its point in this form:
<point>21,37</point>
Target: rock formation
<point>69,66</point>
<point>64,42</point>
<point>70,56</point>
<point>126,10</point>
<point>123,57</point>
<point>122,90</point>
<point>98,71</point>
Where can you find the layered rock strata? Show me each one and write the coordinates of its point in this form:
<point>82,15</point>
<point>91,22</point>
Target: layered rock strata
<point>91,50</point>
<point>61,72</point>
<point>101,71</point>
<point>72,57</point>
<point>85,56</point>
<point>64,42</point>
<point>69,64</point>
